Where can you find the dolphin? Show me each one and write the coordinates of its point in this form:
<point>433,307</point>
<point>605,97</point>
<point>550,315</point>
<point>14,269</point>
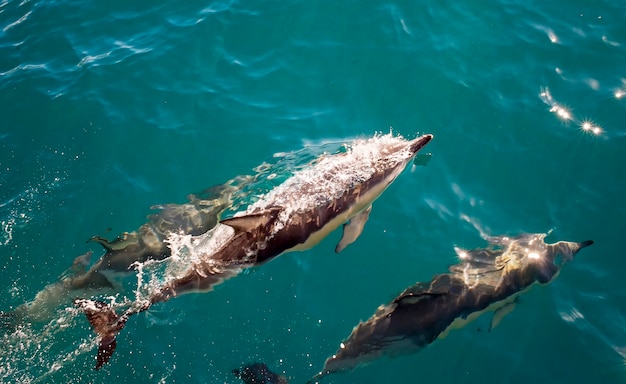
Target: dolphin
<point>197,216</point>
<point>294,216</point>
<point>258,373</point>
<point>486,279</point>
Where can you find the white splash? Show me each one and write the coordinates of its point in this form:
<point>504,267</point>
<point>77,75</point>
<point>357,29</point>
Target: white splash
<point>187,252</point>
<point>326,178</point>
<point>32,353</point>
<point>19,210</point>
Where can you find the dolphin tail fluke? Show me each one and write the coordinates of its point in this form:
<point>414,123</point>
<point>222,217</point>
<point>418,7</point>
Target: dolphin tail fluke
<point>258,373</point>
<point>105,350</point>
<point>106,323</point>
<point>9,321</point>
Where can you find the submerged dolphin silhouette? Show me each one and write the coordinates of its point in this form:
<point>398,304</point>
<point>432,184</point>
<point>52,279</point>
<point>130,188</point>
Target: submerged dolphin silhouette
<point>197,216</point>
<point>294,216</point>
<point>486,279</point>
<point>258,373</point>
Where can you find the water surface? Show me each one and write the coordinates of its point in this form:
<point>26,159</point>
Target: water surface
<point>111,107</point>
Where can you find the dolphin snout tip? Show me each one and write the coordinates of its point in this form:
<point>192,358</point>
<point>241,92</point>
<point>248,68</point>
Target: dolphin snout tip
<point>420,142</point>
<point>586,243</point>
<point>425,137</point>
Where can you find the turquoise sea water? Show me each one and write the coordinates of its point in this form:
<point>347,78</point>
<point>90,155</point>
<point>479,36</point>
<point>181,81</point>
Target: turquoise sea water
<point>111,107</point>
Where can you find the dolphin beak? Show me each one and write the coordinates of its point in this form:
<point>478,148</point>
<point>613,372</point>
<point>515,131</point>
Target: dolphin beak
<point>586,243</point>
<point>569,249</point>
<point>583,244</point>
<point>420,142</point>
<point>576,247</point>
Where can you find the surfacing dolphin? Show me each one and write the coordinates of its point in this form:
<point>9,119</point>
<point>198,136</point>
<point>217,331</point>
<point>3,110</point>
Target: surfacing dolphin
<point>486,279</point>
<point>294,216</point>
<point>197,216</point>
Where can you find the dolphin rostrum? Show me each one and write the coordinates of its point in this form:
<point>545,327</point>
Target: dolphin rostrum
<point>486,279</point>
<point>197,216</point>
<point>293,216</point>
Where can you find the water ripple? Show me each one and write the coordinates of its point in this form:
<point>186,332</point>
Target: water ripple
<point>17,211</point>
<point>526,100</point>
<point>17,22</point>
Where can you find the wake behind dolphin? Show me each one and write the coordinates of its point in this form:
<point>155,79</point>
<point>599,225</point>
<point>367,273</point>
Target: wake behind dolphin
<point>486,279</point>
<point>296,215</point>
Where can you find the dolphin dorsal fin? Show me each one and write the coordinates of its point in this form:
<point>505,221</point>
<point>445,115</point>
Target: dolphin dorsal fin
<point>120,242</point>
<point>102,241</point>
<point>413,294</point>
<point>440,286</point>
<point>413,298</point>
<point>247,223</point>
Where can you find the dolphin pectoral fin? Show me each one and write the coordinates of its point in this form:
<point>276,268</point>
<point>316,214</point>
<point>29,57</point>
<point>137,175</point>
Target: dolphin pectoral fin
<point>352,230</point>
<point>246,223</point>
<point>499,314</point>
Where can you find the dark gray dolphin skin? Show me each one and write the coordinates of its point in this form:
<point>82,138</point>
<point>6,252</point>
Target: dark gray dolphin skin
<point>486,279</point>
<point>197,216</point>
<point>294,216</point>
<point>258,373</point>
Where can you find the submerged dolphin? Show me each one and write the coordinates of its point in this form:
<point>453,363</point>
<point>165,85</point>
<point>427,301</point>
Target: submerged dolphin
<point>485,279</point>
<point>258,373</point>
<point>197,216</point>
<point>294,216</point>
